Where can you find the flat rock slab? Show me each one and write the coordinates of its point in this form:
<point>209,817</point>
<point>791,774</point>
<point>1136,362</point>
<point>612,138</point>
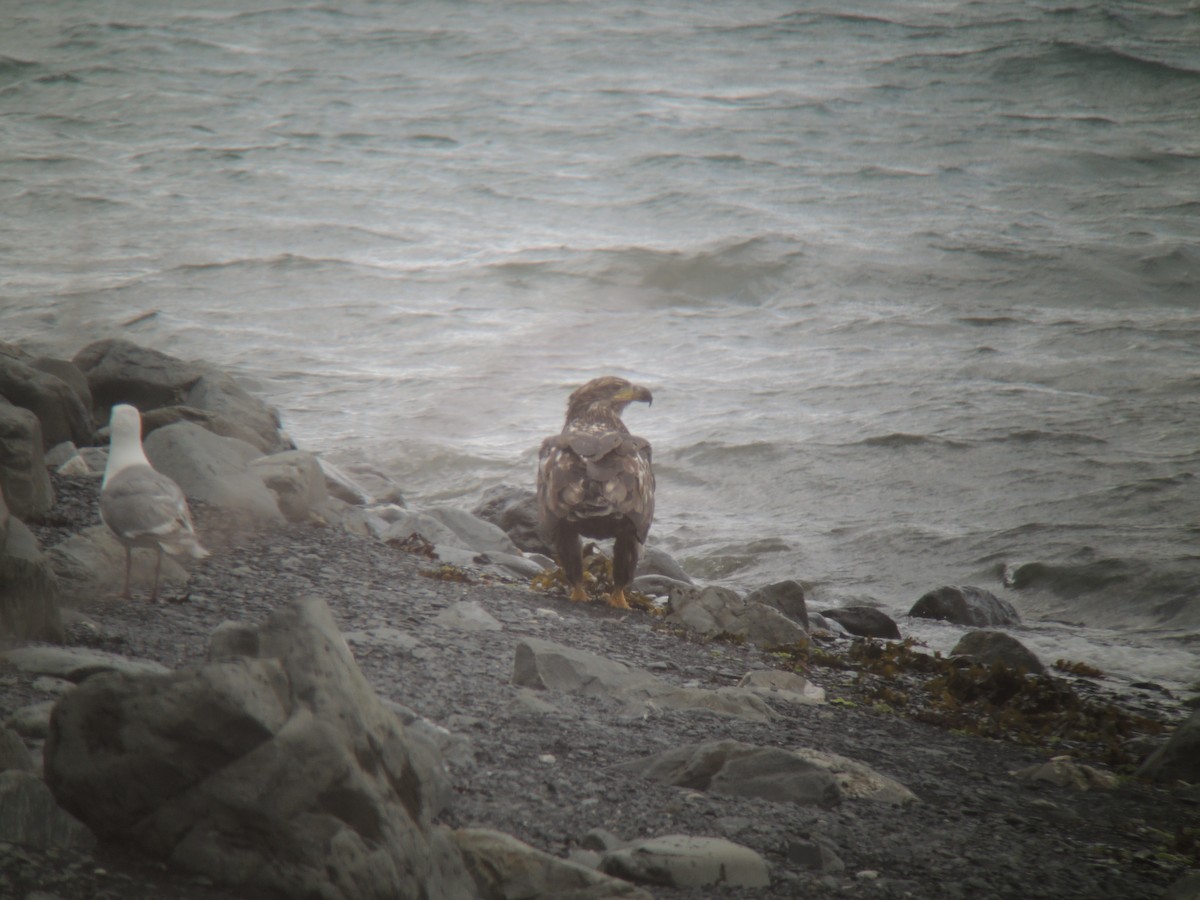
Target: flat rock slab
<point>680,860</point>
<point>777,684</point>
<point>75,664</point>
<point>467,616</point>
<point>505,867</point>
<point>545,665</point>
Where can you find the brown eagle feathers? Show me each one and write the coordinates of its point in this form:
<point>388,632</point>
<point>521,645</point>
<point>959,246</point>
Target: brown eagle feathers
<point>595,480</point>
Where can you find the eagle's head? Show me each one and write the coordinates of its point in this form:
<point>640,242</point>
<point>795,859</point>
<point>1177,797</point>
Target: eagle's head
<point>605,396</point>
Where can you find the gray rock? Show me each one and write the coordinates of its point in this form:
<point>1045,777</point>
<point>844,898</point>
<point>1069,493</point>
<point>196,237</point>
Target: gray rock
<point>1185,888</point>
<point>858,780</point>
<point>786,686</point>
<point>29,816</point>
<point>24,481</point>
<point>77,663</point>
<point>473,532</point>
<point>155,419</point>
<point>211,468</point>
<point>864,621</point>
<point>657,585</point>
<point>678,860</point>
<point>70,374</point>
<point>467,615</point>
<point>988,647</point>
<point>59,454</point>
<point>738,769</point>
<point>1179,758</point>
<point>32,721</point>
<point>119,371</point>
<point>514,511</point>
<point>278,774</point>
<point>527,702</point>
<point>296,479</point>
<point>716,610</point>
<point>965,605</point>
<point>544,665</point>
<point>231,640</point>
<point>402,523</point>
<point>59,410</point>
<point>14,755</point>
<point>785,596</point>
<point>818,623</point>
<point>1063,771</point>
<point>94,559</point>
<point>816,853</point>
<point>342,486</point>
<point>658,562</point>
<point>507,869</point>
<point>28,585</point>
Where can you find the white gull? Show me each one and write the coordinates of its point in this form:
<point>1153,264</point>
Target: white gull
<point>142,507</point>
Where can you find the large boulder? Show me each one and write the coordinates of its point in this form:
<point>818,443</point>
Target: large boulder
<point>513,510</point>
<point>24,480</point>
<point>965,605</point>
<point>785,596</point>
<point>685,861</point>
<point>280,772</point>
<point>62,415</point>
<point>217,424</point>
<point>989,647</point>
<point>864,621</point>
<point>716,610</point>
<point>211,468</point>
<point>28,587</point>
<point>119,371</point>
<point>296,479</point>
<point>1179,758</point>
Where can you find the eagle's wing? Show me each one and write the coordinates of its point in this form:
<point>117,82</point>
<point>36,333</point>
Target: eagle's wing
<point>584,476</point>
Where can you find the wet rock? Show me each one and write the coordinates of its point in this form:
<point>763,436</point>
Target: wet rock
<point>467,615</point>
<point>544,665</point>
<point>29,817</point>
<point>339,484</point>
<point>279,773</point>
<point>119,371</point>
<point>473,532</point>
<point>815,853</point>
<point>864,621</point>
<point>739,769</point>
<point>1179,758</point>
<point>296,480</point>
<point>965,605</point>
<point>170,415</point>
<point>504,868</point>
<point>858,780</point>
<point>14,755</point>
<point>678,860</point>
<point>716,610</point>
<point>1063,771</point>
<point>61,413</point>
<point>513,510</point>
<point>213,469</point>
<point>658,562</point>
<point>785,596</point>
<point>777,684</point>
<point>988,647</point>
<point>28,585</point>
<point>24,481</point>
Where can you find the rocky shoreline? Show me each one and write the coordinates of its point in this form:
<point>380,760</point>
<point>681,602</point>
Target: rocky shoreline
<point>587,733</point>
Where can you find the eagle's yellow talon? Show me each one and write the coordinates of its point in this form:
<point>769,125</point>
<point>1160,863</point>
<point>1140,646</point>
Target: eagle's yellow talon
<point>617,599</point>
<point>578,595</point>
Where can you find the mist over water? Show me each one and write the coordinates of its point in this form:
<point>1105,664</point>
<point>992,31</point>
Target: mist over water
<point>914,284</point>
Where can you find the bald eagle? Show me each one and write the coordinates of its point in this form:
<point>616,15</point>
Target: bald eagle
<point>595,480</point>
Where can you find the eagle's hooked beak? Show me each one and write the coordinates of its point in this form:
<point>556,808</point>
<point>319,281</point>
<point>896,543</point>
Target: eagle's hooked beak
<point>635,392</point>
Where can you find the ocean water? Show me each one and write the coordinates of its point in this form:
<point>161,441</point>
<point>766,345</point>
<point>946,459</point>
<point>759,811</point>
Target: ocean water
<point>915,284</point>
